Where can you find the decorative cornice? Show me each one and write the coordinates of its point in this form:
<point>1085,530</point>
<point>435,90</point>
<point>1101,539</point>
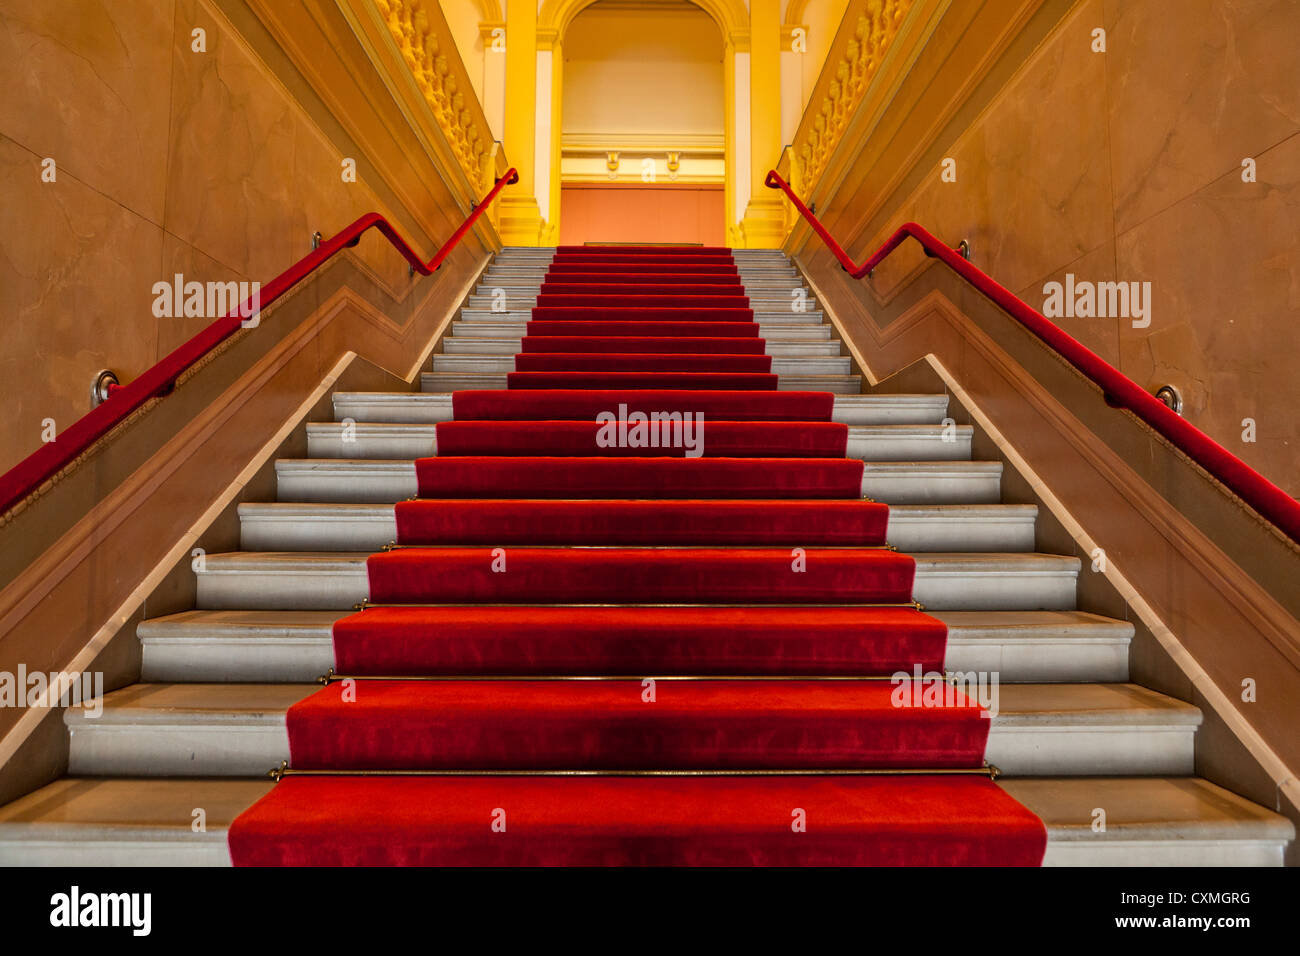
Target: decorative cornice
<point>690,144</point>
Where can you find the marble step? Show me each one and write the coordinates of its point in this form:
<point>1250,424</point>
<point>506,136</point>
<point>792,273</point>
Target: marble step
<point>933,482</point>
<point>1151,821</point>
<point>363,481</point>
<point>296,646</point>
<point>777,347</point>
<point>197,729</point>
<point>762,302</point>
<point>772,284</point>
<point>769,280</point>
<point>502,326</point>
<point>505,362</point>
<point>370,527</point>
<point>742,263</point>
<point>525,277</point>
<point>387,440</point>
<point>455,381</point>
<point>513,322</point>
<point>417,407</point>
<point>323,581</point>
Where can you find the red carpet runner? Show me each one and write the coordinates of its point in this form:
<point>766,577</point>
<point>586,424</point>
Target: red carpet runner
<point>640,502</point>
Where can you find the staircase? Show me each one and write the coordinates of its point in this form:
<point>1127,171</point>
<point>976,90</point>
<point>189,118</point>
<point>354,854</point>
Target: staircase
<point>1071,735</point>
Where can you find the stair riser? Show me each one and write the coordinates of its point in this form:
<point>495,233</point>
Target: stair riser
<point>789,331</point>
<point>303,660</point>
<point>781,291</point>
<point>399,409</point>
<point>538,271</point>
<point>344,588</point>
<point>509,345</point>
<point>430,408</point>
<point>126,851</point>
<point>329,443</point>
<point>905,489</point>
<point>500,364</point>
<point>233,748</point>
<point>455,381</point>
<point>211,850</point>
<point>767,281</point>
<point>762,303</point>
<point>359,488</point>
<point>224,748</point>
<point>396,485</point>
<point>1065,751</point>
<point>514,321</point>
<point>273,660</point>
<point>1169,853</point>
<point>262,533</point>
<point>890,412</point>
<point>920,448</point>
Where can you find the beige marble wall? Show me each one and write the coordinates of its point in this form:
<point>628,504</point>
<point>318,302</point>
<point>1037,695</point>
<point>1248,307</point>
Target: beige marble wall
<point>1126,165</point>
<point>167,160</point>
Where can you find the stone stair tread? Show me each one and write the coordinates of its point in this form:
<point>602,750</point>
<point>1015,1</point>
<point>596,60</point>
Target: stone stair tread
<point>298,561</point>
<point>226,703</point>
<point>280,645</point>
<point>894,467</point>
<point>429,429</point>
<point>1146,808</point>
<point>344,510</point>
<point>246,704</point>
<point>936,468</point>
<point>248,625</point>
<point>1031,705</point>
<point>962,625</point>
<point>1033,625</point>
<point>107,809</point>
<point>864,400</point>
<point>127,811</point>
<point>974,561</point>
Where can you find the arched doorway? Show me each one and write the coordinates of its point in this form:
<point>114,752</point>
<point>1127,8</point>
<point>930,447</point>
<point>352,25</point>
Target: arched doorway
<point>641,123</point>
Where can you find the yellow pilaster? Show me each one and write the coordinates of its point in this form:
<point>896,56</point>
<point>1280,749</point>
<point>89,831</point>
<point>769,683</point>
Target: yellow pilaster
<point>521,217</point>
<point>729,157</point>
<point>763,225</point>
<point>551,41</point>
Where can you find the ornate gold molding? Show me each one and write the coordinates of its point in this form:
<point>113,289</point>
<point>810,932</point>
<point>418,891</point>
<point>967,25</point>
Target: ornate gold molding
<point>853,62</point>
<point>427,47</point>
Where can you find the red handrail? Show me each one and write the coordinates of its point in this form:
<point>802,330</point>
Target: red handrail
<point>37,468</point>
<point>1120,391</point>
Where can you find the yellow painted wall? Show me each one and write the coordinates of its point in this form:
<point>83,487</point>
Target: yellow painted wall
<point>641,72</point>
<point>464,16</point>
<point>822,18</point>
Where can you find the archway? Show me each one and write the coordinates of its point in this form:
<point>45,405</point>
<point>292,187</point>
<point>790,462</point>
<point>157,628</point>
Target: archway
<point>614,122</point>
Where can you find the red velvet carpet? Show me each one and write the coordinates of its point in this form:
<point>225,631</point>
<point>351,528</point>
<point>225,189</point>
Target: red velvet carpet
<point>526,521</point>
<point>497,476</point>
<point>643,563</point>
<point>723,440</point>
<point>579,405</point>
<point>596,345</point>
<point>638,821</point>
<point>727,381</point>
<point>641,362</point>
<point>609,725</point>
<point>631,641</point>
